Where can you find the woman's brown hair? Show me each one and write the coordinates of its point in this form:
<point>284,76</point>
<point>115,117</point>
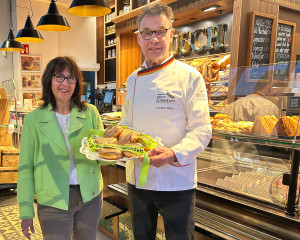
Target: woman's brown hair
<point>58,65</point>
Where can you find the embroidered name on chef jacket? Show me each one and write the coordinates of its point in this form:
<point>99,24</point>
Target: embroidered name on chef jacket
<point>163,99</point>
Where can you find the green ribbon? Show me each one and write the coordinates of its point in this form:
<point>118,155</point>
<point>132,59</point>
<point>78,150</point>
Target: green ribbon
<point>144,170</point>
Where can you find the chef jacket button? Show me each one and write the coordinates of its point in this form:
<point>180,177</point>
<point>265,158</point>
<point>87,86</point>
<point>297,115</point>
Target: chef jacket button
<point>93,171</point>
<point>93,193</point>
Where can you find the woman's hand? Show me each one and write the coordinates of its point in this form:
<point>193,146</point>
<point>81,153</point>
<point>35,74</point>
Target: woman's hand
<point>161,155</point>
<point>25,225</point>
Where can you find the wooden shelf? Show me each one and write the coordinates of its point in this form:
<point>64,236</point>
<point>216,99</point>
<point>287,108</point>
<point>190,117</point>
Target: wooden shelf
<point>110,34</point>
<point>111,46</point>
<point>8,168</point>
<point>137,11</point>
<point>110,58</point>
<point>109,22</point>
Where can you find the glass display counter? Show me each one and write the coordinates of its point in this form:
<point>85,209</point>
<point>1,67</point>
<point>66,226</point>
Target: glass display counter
<point>248,177</point>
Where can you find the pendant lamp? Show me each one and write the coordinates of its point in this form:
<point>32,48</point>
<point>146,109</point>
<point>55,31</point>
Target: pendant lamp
<point>10,44</point>
<point>89,8</point>
<point>28,34</point>
<point>53,21</point>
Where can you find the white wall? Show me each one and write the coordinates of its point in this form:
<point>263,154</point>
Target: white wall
<point>79,42</point>
<point>6,62</point>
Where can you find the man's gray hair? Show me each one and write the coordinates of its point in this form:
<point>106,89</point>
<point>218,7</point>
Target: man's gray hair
<point>157,9</point>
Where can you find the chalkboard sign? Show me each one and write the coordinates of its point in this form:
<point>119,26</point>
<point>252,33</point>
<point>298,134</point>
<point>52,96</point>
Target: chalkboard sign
<point>261,44</point>
<point>284,50</point>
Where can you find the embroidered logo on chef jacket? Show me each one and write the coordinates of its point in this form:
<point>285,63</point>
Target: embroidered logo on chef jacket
<point>201,95</point>
<point>165,100</point>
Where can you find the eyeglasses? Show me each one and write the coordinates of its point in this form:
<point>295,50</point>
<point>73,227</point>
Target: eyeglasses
<point>60,78</point>
<point>160,33</point>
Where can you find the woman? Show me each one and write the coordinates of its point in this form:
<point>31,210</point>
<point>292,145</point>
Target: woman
<point>66,185</point>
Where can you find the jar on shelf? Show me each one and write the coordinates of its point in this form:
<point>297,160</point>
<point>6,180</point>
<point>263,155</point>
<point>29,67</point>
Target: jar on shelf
<point>126,7</point>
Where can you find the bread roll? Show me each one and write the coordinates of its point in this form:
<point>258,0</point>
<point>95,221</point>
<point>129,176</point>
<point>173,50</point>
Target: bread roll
<point>113,131</point>
<point>110,153</point>
<point>141,140</point>
<point>104,141</point>
<point>127,136</point>
<point>221,116</point>
<point>131,154</point>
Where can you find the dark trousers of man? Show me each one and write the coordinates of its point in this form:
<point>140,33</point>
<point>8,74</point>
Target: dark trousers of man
<point>176,207</point>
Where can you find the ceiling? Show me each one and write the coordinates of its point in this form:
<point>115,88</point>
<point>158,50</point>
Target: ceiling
<point>68,2</point>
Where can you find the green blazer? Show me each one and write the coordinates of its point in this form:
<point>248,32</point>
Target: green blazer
<point>44,163</point>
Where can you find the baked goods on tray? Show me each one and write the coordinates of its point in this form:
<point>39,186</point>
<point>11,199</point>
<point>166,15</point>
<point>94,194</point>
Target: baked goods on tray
<point>119,143</point>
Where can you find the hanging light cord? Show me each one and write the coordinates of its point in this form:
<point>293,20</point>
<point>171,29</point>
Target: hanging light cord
<point>31,9</point>
<point>13,67</point>
<point>27,9</point>
<point>11,22</point>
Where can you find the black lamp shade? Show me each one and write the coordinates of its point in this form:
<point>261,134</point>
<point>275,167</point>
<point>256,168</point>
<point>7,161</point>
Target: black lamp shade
<point>28,33</point>
<point>10,44</point>
<point>89,8</point>
<point>53,21</point>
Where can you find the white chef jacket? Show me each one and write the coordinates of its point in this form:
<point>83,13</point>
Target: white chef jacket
<point>169,101</point>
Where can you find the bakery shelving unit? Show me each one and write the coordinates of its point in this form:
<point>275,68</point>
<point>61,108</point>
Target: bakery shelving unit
<point>125,7</point>
<point>217,90</point>
<point>109,47</point>
<point>8,154</point>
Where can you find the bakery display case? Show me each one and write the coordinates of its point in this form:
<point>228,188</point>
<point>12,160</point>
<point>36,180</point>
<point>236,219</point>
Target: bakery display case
<point>248,177</point>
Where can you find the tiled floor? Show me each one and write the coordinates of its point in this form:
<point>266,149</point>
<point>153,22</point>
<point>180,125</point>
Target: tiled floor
<point>7,199</point>
<point>102,236</point>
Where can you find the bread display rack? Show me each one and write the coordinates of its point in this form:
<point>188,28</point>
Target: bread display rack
<point>9,155</point>
<point>215,71</point>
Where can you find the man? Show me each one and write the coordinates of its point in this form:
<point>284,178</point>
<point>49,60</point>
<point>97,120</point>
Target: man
<point>255,104</point>
<point>167,98</point>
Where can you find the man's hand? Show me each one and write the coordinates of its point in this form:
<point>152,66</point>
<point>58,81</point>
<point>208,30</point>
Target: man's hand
<point>25,225</point>
<point>161,155</point>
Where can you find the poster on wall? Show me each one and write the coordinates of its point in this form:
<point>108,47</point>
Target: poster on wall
<point>31,81</point>
<point>30,63</point>
<point>31,100</point>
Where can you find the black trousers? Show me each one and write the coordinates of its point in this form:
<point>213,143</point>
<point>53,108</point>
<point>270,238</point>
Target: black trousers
<point>177,209</point>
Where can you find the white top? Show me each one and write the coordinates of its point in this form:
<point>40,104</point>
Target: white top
<point>64,123</point>
<point>169,101</point>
